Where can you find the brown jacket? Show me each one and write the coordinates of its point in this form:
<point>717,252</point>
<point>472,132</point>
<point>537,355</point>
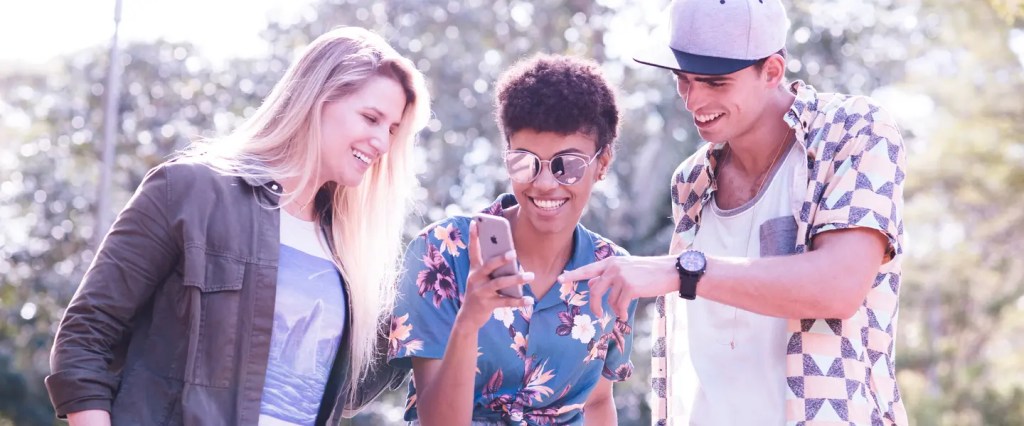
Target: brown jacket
<point>171,324</point>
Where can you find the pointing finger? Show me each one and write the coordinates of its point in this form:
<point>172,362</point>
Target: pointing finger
<point>584,272</point>
<point>619,301</point>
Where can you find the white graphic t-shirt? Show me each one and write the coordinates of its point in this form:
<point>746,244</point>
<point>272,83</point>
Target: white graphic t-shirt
<point>309,319</point>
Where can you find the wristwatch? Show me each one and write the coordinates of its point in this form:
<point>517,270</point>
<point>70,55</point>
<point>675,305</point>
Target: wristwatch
<point>690,265</point>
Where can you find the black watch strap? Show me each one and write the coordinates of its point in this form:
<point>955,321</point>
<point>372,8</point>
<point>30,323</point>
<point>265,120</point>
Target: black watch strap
<point>688,279</point>
<point>687,284</point>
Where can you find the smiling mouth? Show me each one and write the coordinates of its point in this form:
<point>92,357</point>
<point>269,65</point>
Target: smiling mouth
<point>361,157</point>
<point>707,118</point>
<point>549,204</point>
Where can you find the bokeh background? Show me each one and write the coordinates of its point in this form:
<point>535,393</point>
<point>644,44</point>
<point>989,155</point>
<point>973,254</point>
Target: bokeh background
<point>951,71</point>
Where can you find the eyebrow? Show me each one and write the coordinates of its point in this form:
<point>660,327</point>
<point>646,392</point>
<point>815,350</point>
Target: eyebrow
<point>564,151</point>
<point>703,78</point>
<point>713,79</point>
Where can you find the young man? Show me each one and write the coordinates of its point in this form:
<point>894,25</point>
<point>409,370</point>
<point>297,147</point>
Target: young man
<point>788,241</point>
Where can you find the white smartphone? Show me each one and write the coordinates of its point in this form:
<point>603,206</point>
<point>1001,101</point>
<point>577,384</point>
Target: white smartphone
<point>495,239</point>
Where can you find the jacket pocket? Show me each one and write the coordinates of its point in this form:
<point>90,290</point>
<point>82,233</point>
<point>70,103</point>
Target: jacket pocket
<point>216,305</point>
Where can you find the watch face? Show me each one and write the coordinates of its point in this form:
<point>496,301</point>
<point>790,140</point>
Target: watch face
<point>692,261</point>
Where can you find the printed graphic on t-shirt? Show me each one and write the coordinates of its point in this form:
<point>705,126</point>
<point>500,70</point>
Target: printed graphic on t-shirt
<point>308,321</point>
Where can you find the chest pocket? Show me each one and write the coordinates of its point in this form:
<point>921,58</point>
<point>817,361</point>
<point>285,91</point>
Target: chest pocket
<point>778,236</point>
<point>215,304</point>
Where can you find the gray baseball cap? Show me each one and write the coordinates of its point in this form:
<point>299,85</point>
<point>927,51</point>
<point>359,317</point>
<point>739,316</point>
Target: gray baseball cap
<point>716,37</point>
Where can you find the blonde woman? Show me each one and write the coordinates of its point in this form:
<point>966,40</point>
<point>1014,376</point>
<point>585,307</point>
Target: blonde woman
<point>245,281</point>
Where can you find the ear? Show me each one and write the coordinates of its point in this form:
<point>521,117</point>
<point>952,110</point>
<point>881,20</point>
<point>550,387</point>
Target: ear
<point>774,70</point>
<point>604,163</point>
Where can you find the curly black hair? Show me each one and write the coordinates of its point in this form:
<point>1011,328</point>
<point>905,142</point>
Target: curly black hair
<point>560,94</point>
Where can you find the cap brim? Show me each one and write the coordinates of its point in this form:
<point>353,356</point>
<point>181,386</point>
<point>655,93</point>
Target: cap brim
<point>669,58</point>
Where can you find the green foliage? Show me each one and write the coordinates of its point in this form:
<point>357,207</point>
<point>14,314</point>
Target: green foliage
<point>1009,10</point>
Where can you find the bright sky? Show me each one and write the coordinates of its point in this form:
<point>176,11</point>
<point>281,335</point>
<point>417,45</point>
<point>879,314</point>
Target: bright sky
<point>35,31</point>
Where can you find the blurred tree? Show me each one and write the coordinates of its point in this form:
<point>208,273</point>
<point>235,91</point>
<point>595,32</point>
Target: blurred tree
<point>48,182</point>
<point>961,352</point>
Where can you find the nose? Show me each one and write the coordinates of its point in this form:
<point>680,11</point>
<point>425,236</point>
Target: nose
<point>692,99</point>
<point>381,141</point>
<point>545,179</point>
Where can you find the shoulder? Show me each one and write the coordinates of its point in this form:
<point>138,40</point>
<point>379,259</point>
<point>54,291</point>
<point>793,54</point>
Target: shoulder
<point>855,113</point>
<point>603,247</point>
<point>455,226</point>
<point>189,171</point>
<point>688,173</point>
<point>823,111</point>
<point>186,183</point>
<point>692,166</point>
<point>840,127</point>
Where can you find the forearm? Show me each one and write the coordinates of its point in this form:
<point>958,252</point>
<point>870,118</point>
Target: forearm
<point>89,418</point>
<point>831,281</point>
<point>447,398</point>
<point>807,285</point>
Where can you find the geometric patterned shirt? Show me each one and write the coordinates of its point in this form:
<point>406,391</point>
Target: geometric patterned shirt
<point>838,371</point>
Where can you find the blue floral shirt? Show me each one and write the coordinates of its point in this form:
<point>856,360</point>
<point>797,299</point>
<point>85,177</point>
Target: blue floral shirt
<point>535,366</point>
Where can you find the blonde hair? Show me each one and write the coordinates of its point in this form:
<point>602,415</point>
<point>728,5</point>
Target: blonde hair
<point>282,139</point>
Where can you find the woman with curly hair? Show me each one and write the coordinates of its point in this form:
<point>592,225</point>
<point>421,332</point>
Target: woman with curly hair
<point>479,357</point>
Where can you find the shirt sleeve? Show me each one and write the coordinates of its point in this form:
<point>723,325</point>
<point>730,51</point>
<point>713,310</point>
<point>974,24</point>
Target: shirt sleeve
<point>866,189</point>
<point>428,302</point>
<point>136,255</point>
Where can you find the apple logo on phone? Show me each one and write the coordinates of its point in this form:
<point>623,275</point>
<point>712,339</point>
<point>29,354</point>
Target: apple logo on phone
<point>494,240</point>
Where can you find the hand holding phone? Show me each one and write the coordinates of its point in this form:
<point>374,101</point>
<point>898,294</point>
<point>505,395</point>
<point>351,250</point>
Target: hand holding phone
<point>495,239</point>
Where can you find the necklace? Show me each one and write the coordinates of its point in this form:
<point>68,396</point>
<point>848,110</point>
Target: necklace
<point>753,215</point>
<point>775,158</point>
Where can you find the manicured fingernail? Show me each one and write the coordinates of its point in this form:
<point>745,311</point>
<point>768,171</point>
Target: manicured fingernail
<point>528,276</point>
<point>561,278</point>
<point>528,300</point>
<point>510,255</point>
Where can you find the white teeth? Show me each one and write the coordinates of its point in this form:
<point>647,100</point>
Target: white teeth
<point>549,204</point>
<point>704,118</point>
<point>362,157</point>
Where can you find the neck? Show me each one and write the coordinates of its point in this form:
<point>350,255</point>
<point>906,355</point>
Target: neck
<point>753,151</point>
<point>300,202</point>
<point>542,253</point>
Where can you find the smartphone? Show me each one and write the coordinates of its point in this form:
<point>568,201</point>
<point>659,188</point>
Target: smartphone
<point>495,239</point>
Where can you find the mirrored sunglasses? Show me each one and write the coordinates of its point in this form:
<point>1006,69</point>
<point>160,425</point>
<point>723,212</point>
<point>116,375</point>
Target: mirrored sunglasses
<point>568,168</point>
